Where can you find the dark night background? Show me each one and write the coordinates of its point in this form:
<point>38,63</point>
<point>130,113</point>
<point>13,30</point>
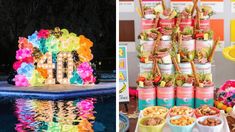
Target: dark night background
<point>93,18</point>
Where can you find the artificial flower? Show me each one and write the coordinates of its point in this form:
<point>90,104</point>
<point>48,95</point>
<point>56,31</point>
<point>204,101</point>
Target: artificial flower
<point>23,53</point>
<point>34,39</point>
<point>17,65</point>
<point>37,79</point>
<point>24,43</point>
<point>21,80</point>
<point>76,79</point>
<point>43,33</point>
<point>26,69</point>
<point>85,70</point>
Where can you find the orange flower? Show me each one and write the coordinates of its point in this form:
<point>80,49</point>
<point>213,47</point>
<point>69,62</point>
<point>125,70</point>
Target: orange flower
<point>24,43</point>
<point>43,72</point>
<point>85,42</point>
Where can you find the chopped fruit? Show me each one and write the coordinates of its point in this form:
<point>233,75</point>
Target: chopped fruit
<point>157,79</point>
<point>142,59</point>
<point>141,84</point>
<point>162,84</point>
<point>141,79</point>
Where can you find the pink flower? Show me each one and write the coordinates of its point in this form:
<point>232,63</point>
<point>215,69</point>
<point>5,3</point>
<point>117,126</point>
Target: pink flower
<point>84,70</point>
<point>17,65</point>
<point>43,33</point>
<point>89,79</point>
<point>21,80</point>
<point>23,53</point>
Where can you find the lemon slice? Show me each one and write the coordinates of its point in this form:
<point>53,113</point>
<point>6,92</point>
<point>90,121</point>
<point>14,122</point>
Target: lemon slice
<point>229,53</point>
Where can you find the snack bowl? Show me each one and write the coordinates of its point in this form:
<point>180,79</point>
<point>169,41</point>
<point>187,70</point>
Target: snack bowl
<point>181,128</point>
<point>212,128</point>
<point>143,127</point>
<point>181,110</point>
<point>155,111</point>
<point>216,112</point>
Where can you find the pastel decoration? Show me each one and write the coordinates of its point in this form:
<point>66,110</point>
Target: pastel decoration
<point>37,79</point>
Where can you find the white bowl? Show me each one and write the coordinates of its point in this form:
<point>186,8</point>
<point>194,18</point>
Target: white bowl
<point>203,128</point>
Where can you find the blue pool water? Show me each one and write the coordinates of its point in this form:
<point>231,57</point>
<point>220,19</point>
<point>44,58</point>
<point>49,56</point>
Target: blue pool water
<point>31,115</point>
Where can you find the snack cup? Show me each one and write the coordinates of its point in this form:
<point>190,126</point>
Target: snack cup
<point>172,114</point>
<point>163,115</point>
<point>175,128</point>
<point>146,97</point>
<point>144,128</point>
<point>216,115</point>
<point>164,44</point>
<point>204,24</point>
<point>166,68</point>
<point>187,22</point>
<point>203,128</point>
<point>147,24</point>
<point>166,23</point>
<point>147,45</point>
<point>146,67</point>
<point>203,68</point>
<point>185,68</point>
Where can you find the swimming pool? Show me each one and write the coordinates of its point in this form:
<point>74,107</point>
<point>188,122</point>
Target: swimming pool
<point>26,115</point>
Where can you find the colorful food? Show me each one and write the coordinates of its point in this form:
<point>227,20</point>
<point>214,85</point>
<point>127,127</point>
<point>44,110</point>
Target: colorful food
<point>182,121</point>
<point>205,80</point>
<point>181,110</point>
<point>155,111</point>
<point>167,80</point>
<point>206,110</point>
<point>210,122</point>
<point>153,121</point>
<point>145,79</point>
<point>184,80</point>
<point>148,35</point>
<point>206,12</point>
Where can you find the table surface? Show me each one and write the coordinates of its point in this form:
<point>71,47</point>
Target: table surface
<point>57,91</point>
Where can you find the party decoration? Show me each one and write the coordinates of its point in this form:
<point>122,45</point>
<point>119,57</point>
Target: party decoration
<point>53,56</point>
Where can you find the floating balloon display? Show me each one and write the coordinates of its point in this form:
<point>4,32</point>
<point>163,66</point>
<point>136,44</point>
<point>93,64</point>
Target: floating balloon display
<point>53,57</point>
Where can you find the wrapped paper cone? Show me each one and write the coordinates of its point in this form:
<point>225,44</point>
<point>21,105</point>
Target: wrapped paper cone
<point>157,41</point>
<point>163,4</point>
<point>156,20</point>
<point>198,18</point>
<point>156,69</point>
<point>177,68</point>
<point>141,8</point>
<point>194,6</point>
<point>213,50</point>
<point>194,73</point>
<point>139,12</point>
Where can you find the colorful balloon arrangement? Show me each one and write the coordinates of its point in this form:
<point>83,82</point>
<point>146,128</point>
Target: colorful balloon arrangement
<point>50,54</point>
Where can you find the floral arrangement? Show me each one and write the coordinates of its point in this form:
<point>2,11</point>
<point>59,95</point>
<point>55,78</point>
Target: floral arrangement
<point>74,53</point>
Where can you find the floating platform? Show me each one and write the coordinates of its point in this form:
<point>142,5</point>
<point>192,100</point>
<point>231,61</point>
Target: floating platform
<point>57,92</point>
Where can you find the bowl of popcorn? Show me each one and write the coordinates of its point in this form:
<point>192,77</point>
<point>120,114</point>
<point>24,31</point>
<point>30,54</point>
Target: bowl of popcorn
<point>181,110</point>
<point>151,124</point>
<point>206,110</point>
<point>155,111</point>
<point>181,123</point>
<point>209,124</point>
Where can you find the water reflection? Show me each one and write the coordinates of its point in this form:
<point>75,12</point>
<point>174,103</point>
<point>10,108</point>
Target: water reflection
<point>55,116</point>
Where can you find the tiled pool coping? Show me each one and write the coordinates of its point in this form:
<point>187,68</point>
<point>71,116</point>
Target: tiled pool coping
<point>57,91</point>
